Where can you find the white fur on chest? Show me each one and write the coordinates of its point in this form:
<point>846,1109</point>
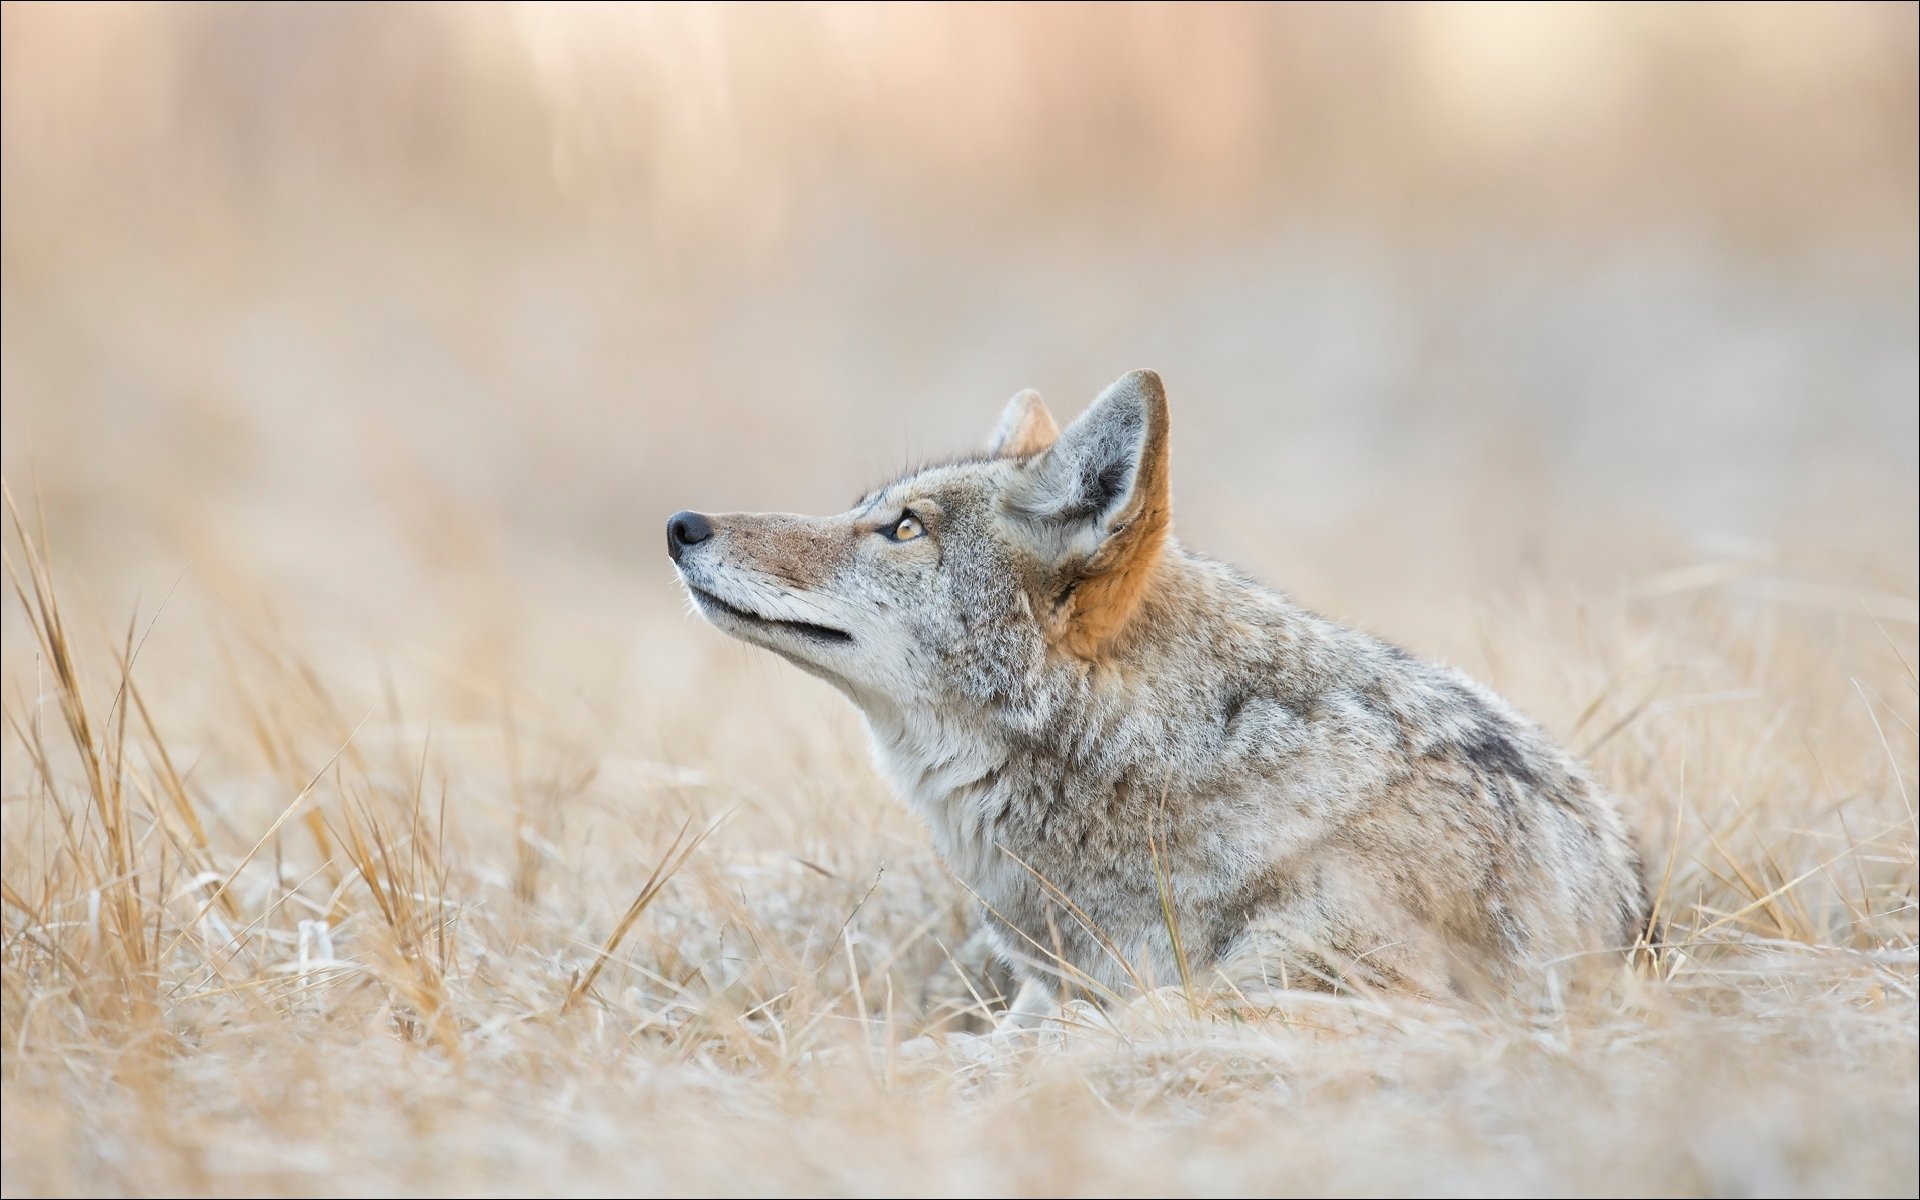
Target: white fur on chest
<point>952,778</point>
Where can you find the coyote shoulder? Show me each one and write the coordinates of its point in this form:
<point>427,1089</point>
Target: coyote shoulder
<point>1146,765</point>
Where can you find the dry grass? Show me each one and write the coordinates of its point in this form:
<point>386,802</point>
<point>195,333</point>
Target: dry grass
<point>333,950</point>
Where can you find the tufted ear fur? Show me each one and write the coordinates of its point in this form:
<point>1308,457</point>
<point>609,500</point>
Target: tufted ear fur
<point>1026,427</point>
<point>1100,495</point>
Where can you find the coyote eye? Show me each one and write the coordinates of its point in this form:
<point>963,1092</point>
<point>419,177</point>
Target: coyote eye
<point>907,528</point>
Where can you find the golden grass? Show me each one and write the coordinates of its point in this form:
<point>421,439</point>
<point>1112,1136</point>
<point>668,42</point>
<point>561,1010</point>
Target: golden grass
<point>374,966</point>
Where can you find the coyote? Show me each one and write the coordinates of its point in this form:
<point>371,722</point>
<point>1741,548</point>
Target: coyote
<point>1151,769</point>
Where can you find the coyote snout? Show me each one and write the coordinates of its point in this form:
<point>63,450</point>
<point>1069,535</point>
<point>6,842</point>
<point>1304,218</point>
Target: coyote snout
<point>686,529</point>
<point>1147,766</point>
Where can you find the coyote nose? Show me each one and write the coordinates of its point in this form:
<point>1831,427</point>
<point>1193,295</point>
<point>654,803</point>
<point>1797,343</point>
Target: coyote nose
<point>686,529</point>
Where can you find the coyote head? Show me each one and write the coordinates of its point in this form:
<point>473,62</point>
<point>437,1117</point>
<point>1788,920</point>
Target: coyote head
<point>963,579</point>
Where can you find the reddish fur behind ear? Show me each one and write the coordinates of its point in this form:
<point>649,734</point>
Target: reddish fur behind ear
<point>1117,577</point>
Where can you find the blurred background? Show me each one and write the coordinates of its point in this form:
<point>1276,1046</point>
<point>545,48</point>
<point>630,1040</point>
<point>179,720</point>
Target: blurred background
<point>410,324</point>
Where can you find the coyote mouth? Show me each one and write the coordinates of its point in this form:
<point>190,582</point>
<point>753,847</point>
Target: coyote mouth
<point>805,629</point>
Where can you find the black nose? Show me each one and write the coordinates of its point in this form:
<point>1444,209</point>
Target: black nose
<point>686,529</point>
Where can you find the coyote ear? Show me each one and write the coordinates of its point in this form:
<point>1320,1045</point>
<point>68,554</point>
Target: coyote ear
<point>1026,427</point>
<point>1103,486</point>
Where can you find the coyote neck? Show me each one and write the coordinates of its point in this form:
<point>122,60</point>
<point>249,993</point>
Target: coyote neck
<point>1064,758</point>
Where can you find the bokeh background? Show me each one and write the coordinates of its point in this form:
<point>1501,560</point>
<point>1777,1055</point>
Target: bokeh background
<point>367,305</point>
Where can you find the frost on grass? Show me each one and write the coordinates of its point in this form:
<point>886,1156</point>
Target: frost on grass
<point>272,926</point>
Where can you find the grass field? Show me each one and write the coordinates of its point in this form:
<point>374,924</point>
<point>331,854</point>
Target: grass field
<point>359,930</point>
<point>377,820</point>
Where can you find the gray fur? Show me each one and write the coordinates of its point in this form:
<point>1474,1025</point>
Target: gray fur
<point>1323,808</point>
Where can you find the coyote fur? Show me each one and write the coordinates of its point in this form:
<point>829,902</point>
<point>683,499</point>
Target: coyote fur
<point>1148,767</point>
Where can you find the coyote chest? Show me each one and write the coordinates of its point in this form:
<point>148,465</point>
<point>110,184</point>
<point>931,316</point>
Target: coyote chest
<point>1109,869</point>
<point>1059,895</point>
